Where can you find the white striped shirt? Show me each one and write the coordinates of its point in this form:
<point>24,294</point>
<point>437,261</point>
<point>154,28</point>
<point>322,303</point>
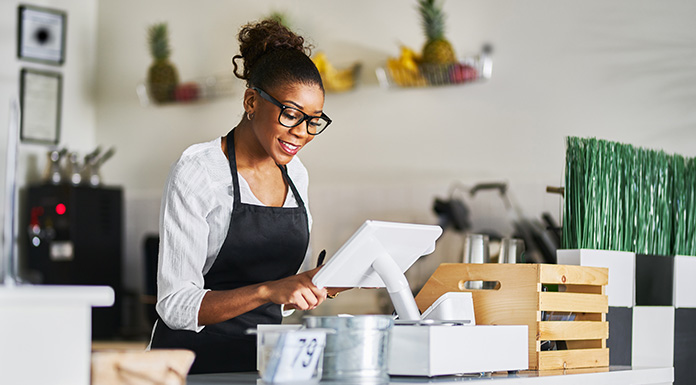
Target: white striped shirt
<point>194,220</point>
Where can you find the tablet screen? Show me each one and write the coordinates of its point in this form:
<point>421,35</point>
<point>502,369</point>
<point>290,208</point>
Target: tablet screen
<point>351,265</point>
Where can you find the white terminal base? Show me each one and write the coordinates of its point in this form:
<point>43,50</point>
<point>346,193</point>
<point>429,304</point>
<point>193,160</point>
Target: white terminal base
<point>439,350</point>
<point>452,306</point>
<point>46,333</point>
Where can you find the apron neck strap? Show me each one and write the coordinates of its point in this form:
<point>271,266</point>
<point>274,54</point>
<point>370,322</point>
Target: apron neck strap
<point>235,178</point>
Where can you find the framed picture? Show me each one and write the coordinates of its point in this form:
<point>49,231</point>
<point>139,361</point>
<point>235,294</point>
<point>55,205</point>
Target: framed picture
<point>40,103</point>
<point>41,34</point>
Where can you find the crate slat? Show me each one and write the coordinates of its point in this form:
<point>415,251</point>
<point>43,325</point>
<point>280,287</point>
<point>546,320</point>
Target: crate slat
<point>573,330</point>
<point>573,275</point>
<point>573,302</point>
<point>586,344</point>
<point>578,358</point>
<point>588,289</point>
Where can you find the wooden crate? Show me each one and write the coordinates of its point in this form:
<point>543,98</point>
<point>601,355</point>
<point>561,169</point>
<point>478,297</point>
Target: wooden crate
<point>518,299</point>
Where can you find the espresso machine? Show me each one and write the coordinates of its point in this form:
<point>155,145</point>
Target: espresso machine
<point>74,236</point>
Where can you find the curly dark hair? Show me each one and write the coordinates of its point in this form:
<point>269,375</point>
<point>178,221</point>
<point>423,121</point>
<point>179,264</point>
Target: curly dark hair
<point>274,56</point>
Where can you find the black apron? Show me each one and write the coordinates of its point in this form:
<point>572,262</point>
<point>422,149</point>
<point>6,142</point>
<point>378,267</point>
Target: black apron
<point>263,244</point>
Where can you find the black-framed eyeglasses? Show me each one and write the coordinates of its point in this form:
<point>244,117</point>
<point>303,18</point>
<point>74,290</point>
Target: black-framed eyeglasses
<point>292,117</point>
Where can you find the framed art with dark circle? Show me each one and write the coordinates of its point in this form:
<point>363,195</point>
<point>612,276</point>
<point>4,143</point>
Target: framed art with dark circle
<point>41,34</point>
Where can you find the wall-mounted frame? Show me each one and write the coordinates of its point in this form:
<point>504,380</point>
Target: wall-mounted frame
<point>40,101</point>
<point>41,34</point>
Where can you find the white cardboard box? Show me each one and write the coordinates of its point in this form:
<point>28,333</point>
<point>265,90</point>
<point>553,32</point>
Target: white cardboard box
<point>684,281</point>
<point>437,350</point>
<point>622,271</point>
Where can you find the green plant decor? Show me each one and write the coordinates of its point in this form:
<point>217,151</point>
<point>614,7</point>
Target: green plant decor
<point>619,197</point>
<point>685,206</point>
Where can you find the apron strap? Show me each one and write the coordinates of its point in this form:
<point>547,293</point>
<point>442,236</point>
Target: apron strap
<point>235,178</point>
<point>233,167</point>
<point>298,198</point>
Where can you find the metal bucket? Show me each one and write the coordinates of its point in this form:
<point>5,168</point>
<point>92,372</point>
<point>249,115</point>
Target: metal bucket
<point>359,350</point>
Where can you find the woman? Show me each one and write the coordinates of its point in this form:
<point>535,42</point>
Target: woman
<point>234,223</point>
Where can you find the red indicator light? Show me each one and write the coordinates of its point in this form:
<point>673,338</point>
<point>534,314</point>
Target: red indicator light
<point>60,209</point>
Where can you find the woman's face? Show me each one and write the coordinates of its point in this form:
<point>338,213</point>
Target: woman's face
<point>282,143</point>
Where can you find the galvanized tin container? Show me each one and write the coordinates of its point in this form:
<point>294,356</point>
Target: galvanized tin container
<point>358,351</point>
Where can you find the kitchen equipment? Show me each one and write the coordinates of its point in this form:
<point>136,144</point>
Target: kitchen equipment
<point>358,351</point>
<point>93,162</point>
<point>476,249</point>
<point>74,169</point>
<point>540,238</point>
<point>511,250</point>
<point>75,237</point>
<point>54,166</point>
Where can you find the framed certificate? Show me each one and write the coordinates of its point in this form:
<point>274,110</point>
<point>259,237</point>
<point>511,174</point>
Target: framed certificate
<point>41,34</point>
<point>40,102</point>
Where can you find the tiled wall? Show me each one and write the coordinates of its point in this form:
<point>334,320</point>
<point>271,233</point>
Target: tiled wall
<point>655,325</point>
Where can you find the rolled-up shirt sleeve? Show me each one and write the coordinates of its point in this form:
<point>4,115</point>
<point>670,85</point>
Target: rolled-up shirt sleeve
<point>183,247</point>
<point>197,205</point>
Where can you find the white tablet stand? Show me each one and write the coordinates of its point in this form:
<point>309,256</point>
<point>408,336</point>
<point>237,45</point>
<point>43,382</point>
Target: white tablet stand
<point>377,255</point>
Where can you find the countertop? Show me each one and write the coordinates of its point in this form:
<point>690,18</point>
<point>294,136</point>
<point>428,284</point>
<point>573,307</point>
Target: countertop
<point>614,375</point>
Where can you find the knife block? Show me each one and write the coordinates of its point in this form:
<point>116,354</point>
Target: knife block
<point>514,294</point>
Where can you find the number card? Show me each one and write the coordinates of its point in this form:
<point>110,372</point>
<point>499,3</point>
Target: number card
<point>295,356</point>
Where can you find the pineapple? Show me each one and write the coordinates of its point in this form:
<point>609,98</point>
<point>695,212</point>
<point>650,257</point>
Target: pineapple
<point>162,77</point>
<point>438,54</point>
<point>280,17</point>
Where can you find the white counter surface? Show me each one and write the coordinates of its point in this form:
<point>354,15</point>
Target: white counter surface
<point>31,295</point>
<point>614,375</point>
<point>45,333</point>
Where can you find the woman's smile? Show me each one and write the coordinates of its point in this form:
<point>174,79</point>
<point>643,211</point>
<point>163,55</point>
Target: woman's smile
<point>289,148</point>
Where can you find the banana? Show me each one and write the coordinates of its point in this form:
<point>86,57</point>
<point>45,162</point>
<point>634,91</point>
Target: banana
<point>335,80</point>
<point>321,62</point>
<point>404,70</point>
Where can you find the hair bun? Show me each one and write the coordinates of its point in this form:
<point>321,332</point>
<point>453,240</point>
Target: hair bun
<point>260,38</point>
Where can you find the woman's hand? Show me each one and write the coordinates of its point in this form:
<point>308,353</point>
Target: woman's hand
<point>296,292</point>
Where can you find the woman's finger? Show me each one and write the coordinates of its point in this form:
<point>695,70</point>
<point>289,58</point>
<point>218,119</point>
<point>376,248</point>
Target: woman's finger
<point>300,301</point>
<point>309,297</point>
<point>319,293</point>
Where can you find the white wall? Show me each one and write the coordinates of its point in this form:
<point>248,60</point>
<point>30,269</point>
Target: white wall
<point>78,71</point>
<point>620,70</point>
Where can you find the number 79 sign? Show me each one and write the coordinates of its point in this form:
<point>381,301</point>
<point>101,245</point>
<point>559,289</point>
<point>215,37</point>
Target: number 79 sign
<point>295,356</point>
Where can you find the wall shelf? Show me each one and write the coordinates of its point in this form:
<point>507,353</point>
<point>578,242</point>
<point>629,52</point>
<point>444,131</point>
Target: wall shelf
<point>191,91</point>
<point>408,72</point>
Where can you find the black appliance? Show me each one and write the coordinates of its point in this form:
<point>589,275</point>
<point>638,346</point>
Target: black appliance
<point>75,238</point>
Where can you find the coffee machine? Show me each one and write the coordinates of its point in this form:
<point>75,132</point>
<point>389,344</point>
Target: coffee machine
<point>75,236</point>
